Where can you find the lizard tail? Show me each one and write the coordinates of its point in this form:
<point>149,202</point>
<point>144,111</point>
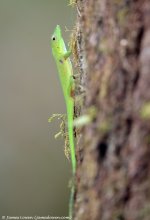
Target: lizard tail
<point>70,111</point>
<point>71,201</point>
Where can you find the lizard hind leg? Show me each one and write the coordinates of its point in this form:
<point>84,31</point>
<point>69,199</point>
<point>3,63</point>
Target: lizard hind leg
<point>71,87</point>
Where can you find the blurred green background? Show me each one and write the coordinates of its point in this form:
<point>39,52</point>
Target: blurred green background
<point>34,172</point>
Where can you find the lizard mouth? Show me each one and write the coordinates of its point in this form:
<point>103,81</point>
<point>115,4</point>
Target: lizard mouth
<point>57,31</point>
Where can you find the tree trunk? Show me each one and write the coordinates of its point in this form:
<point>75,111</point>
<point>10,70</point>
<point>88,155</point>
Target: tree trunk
<point>113,151</point>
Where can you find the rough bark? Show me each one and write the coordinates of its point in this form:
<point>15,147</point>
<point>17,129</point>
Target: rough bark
<point>113,151</point>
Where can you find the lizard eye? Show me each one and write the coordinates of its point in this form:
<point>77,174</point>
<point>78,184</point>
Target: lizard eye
<point>53,38</point>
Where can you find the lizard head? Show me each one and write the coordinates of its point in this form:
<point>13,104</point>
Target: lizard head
<point>56,39</point>
<point>57,34</point>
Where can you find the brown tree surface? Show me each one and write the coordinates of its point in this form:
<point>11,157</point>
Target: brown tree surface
<point>113,151</point>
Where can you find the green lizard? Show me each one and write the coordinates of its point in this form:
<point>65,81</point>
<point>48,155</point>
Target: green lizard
<point>61,56</point>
